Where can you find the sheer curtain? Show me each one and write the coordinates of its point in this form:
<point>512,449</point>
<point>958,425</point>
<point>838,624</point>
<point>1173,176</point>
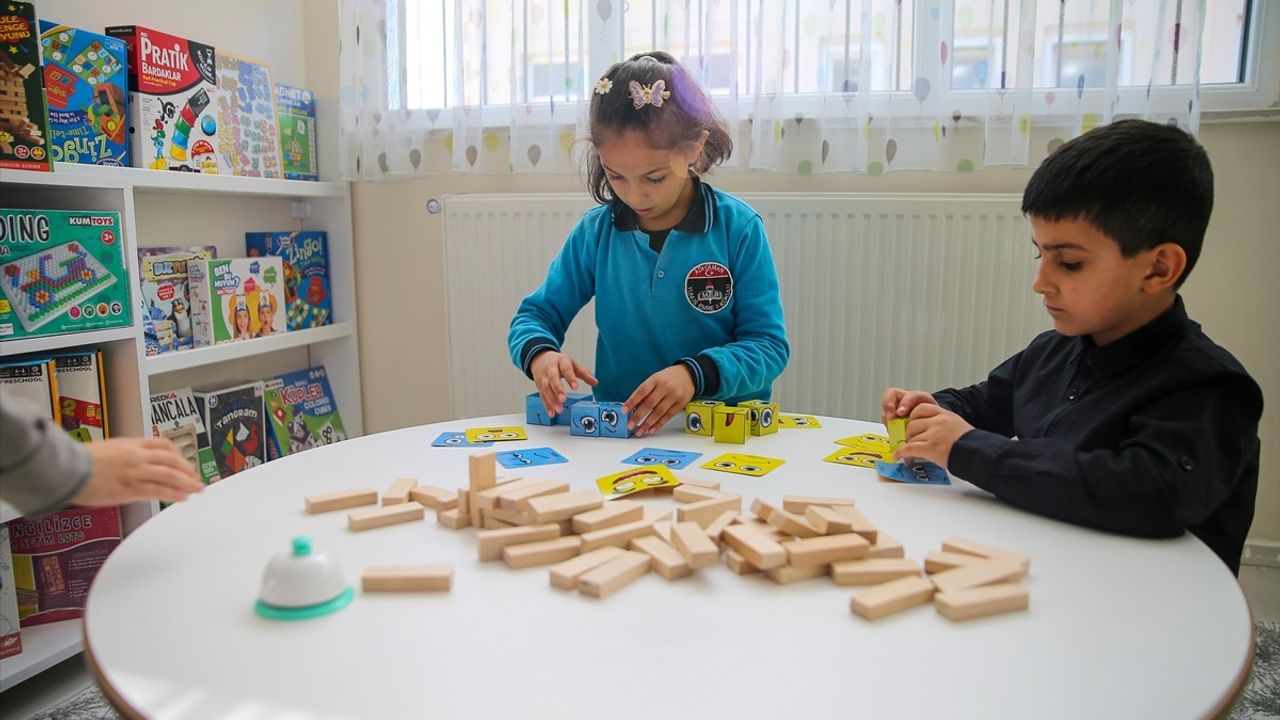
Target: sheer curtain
<point>867,86</point>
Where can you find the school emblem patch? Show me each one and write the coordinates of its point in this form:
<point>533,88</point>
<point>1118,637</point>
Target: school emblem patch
<point>708,287</point>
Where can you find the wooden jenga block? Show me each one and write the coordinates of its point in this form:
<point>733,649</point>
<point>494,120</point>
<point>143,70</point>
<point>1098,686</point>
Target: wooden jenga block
<point>434,497</point>
<point>799,503</point>
<point>986,572</point>
<point>693,493</point>
<point>706,511</point>
<point>858,521</point>
<point>407,578</point>
<point>969,547</point>
<point>399,491</point>
<point>464,503</point>
<point>488,499</point>
<point>886,546</point>
<point>873,571</point>
<point>383,516</point>
<point>762,509</point>
<point>453,518</point>
<point>602,580</point>
<point>492,523</point>
<point>493,541</point>
<point>482,475</point>
<point>662,529</point>
<point>512,500</point>
<point>891,597</point>
<point>826,549</point>
<point>765,528</point>
<point>613,513</point>
<point>667,561</point>
<point>658,514</point>
<point>543,552</point>
<point>718,525</point>
<point>759,549</point>
<point>957,605</point>
<point>792,524</point>
<point>550,508</point>
<point>936,561</point>
<point>340,500</point>
<point>564,575</point>
<point>788,574</point>
<point>618,535</point>
<point>827,521</point>
<point>692,542</point>
<point>700,483</point>
<point>566,527</point>
<point>509,517</point>
<point>738,564</point>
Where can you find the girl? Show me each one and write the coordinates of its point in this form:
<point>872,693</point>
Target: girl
<point>241,329</point>
<point>687,301</point>
<point>266,314</point>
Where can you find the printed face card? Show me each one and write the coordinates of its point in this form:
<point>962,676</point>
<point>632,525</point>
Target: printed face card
<point>674,459</point>
<point>916,473</point>
<point>799,422</point>
<point>868,442</point>
<point>856,457</point>
<point>629,482</point>
<point>456,439</point>
<point>529,457</point>
<point>743,464</point>
<point>510,432</point>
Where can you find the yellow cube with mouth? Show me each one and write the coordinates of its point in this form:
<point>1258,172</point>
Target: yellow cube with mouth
<point>897,432</point>
<point>764,416</point>
<point>731,424</point>
<point>698,416</point>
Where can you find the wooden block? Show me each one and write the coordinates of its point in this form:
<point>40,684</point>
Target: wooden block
<point>488,499</point>
<point>693,493</point>
<point>407,578</point>
<point>891,597</point>
<point>512,500</point>
<point>453,518</point>
<point>718,525</point>
<point>700,483</point>
<point>799,503</point>
<point>858,521</point>
<point>826,549</point>
<point>464,503</point>
<point>986,572</point>
<point>762,509</point>
<point>658,514</point>
<point>434,497</point>
<point>873,571</point>
<point>759,549</point>
<point>827,521</point>
<point>792,524</point>
<point>667,561</point>
<point>340,500</point>
<point>692,542</point>
<point>488,522</point>
<point>383,516</point>
<point>765,528</point>
<point>613,513</point>
<point>957,605</point>
<point>618,535</point>
<point>602,580</point>
<point>969,547</point>
<point>663,529</point>
<point>707,511</point>
<point>550,508</point>
<point>886,546</point>
<point>482,475</point>
<point>788,574</point>
<point>493,541</point>
<point>565,575</point>
<point>738,564</point>
<point>399,491</point>
<point>566,527</point>
<point>511,518</point>
<point>940,561</point>
<point>543,552</point>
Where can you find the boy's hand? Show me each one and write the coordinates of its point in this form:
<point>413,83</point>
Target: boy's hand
<point>896,402</point>
<point>658,399</point>
<point>131,469</point>
<point>931,433</point>
<point>550,371</point>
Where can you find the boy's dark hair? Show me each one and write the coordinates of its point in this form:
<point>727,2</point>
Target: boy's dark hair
<point>681,119</point>
<point>1140,183</point>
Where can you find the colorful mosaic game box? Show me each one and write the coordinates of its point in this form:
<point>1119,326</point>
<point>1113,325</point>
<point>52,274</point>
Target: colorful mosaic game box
<point>60,272</point>
<point>56,557</point>
<point>82,395</point>
<point>234,419</point>
<point>24,120</point>
<point>301,413</point>
<point>296,109</point>
<point>235,299</point>
<point>306,273</point>
<point>172,84</point>
<point>86,84</point>
<point>180,412</point>
<point>248,132</point>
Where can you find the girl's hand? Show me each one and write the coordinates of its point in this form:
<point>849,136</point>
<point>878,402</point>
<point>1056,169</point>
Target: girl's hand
<point>896,402</point>
<point>131,469</point>
<point>931,434</point>
<point>658,399</point>
<point>550,371</point>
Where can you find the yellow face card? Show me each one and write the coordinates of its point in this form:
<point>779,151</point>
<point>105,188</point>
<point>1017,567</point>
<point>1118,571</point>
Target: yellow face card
<point>868,442</point>
<point>511,432</point>
<point>636,480</point>
<point>857,457</point>
<point>743,464</point>
<point>799,422</point>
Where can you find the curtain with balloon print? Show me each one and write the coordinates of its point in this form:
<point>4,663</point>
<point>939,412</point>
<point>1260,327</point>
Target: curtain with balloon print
<point>806,86</point>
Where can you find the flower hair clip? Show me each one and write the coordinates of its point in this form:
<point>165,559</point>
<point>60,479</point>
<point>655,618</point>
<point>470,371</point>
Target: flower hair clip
<point>604,86</point>
<point>654,94</point>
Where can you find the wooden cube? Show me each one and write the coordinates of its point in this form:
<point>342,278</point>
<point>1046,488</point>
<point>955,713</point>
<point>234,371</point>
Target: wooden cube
<point>897,428</point>
<point>698,418</point>
<point>762,416</point>
<point>730,424</point>
<point>613,420</point>
<point>535,413</point>
<point>584,419</point>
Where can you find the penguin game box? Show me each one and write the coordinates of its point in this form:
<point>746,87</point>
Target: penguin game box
<point>166,298</point>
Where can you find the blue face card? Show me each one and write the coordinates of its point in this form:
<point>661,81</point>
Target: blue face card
<point>674,459</point>
<point>919,472</point>
<point>529,457</point>
<point>456,439</point>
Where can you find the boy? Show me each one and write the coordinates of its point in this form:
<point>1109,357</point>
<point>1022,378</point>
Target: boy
<point>1125,417</point>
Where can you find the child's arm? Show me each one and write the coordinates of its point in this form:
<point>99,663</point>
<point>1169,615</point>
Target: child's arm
<point>987,405</point>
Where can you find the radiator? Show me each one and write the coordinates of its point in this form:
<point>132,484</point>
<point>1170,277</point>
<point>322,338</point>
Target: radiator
<point>917,291</point>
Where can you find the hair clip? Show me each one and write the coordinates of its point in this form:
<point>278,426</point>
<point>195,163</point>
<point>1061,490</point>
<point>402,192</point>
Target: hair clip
<point>654,94</point>
<point>604,86</point>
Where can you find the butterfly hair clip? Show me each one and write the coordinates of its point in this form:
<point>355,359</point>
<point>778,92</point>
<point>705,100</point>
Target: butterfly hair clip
<point>654,94</point>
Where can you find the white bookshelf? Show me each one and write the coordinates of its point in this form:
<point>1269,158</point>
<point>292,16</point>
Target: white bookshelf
<point>43,646</point>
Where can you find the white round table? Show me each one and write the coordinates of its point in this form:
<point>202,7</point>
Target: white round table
<point>1118,626</point>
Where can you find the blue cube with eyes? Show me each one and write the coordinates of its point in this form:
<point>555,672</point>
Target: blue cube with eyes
<point>584,418</point>
<point>613,420</point>
<point>535,414</point>
<point>566,416</point>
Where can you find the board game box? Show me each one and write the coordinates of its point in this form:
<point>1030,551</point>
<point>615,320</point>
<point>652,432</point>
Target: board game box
<point>166,298</point>
<point>10,628</point>
<point>86,85</point>
<point>56,557</point>
<point>245,105</point>
<point>32,381</point>
<point>60,272</point>
<point>301,413</point>
<point>296,110</point>
<point>306,273</point>
<point>179,413</point>
<point>235,299</point>
<point>24,119</point>
<point>82,395</point>
<point>234,419</point>
<point>172,84</point>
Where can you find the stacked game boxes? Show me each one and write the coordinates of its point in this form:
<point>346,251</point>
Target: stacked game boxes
<point>24,120</point>
<point>86,81</point>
